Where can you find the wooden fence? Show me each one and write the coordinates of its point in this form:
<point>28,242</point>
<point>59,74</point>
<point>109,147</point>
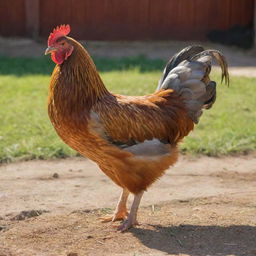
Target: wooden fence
<point>124,19</point>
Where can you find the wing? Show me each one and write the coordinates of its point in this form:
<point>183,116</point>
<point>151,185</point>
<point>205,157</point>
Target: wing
<point>127,121</point>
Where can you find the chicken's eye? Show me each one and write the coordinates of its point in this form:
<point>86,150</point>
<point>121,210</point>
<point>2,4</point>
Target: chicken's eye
<point>63,43</point>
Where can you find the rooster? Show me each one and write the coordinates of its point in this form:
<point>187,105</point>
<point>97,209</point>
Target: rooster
<point>133,139</point>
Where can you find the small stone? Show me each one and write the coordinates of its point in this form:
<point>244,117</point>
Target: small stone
<point>72,254</point>
<point>55,175</point>
<point>2,228</point>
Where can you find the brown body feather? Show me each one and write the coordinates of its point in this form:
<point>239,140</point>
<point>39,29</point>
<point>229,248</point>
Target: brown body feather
<point>93,121</point>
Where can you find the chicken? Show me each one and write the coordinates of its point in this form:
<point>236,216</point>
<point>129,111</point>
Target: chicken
<point>133,139</point>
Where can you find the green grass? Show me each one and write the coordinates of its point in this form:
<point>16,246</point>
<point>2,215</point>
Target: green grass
<point>26,132</point>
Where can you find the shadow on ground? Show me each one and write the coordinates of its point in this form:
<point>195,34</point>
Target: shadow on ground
<point>200,240</point>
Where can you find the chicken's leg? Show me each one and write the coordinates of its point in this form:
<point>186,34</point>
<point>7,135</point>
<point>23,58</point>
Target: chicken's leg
<point>132,217</point>
<point>121,210</point>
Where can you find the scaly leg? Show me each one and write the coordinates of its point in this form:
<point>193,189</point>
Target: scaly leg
<point>132,218</point>
<point>120,212</point>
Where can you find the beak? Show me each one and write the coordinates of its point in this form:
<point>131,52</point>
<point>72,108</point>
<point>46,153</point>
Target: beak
<point>50,49</point>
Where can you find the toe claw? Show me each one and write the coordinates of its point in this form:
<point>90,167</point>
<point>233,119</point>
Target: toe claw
<point>115,217</point>
<point>106,219</point>
<point>127,224</point>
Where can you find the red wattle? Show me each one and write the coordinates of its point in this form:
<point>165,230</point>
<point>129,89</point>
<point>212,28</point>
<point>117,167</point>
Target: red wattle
<point>58,57</point>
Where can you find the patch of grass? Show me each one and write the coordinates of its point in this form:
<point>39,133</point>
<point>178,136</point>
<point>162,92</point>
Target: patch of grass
<point>44,65</point>
<point>26,132</point>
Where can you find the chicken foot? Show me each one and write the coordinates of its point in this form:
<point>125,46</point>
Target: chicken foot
<point>120,212</point>
<point>132,217</point>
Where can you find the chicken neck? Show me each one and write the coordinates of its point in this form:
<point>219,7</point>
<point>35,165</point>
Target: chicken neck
<point>76,86</point>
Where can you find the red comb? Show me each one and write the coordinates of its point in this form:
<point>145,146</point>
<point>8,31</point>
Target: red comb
<point>58,32</point>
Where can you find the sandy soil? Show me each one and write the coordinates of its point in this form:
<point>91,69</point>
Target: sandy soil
<point>202,206</point>
<point>241,62</point>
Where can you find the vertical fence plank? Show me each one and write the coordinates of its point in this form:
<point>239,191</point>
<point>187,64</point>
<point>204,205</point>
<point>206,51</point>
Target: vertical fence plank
<point>12,18</point>
<point>32,18</point>
<point>254,21</point>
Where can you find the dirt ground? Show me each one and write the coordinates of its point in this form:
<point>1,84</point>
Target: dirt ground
<point>202,206</point>
<point>241,62</point>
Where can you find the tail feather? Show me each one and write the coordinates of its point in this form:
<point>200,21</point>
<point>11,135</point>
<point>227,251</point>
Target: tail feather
<point>178,58</point>
<point>188,74</point>
<point>210,95</point>
<point>221,60</point>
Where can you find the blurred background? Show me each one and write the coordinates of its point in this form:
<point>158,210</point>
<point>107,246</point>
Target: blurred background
<point>225,21</point>
<point>130,42</point>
